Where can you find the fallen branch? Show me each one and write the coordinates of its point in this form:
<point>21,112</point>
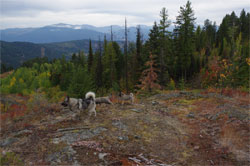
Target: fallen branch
<point>68,129</point>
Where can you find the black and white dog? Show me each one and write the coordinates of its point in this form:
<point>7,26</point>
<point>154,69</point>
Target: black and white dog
<point>89,103</point>
<point>75,104</point>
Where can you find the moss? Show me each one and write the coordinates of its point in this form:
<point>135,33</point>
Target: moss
<point>185,101</point>
<point>10,158</point>
<point>55,147</point>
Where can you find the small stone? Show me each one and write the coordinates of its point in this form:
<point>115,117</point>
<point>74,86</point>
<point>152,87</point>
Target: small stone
<point>191,115</point>
<point>135,110</point>
<point>155,103</point>
<point>196,147</point>
<point>102,155</point>
<point>123,138</point>
<point>8,141</point>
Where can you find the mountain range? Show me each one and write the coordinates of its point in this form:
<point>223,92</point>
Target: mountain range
<point>21,44</point>
<point>66,32</point>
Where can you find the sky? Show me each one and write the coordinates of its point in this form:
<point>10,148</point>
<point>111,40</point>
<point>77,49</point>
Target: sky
<point>37,13</point>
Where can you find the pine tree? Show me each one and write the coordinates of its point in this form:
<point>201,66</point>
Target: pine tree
<point>90,57</point>
<point>109,61</point>
<point>210,33</point>
<point>126,55</point>
<point>138,55</point>
<point>165,46</point>
<point>153,42</point>
<point>185,39</point>
<point>149,76</point>
<point>119,62</point>
<point>99,67</point>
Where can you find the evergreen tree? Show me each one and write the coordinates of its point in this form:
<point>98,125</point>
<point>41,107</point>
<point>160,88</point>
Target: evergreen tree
<point>138,56</point>
<point>185,39</point>
<point>149,77</point>
<point>164,58</point>
<point>210,33</point>
<point>99,68</point>
<point>244,26</point>
<point>80,83</point>
<point>109,61</point>
<point>90,57</point>
<point>126,55</point>
<point>153,42</point>
<point>119,62</point>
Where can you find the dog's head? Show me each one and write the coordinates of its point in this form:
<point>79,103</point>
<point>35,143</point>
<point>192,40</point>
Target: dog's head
<point>65,103</point>
<point>85,103</point>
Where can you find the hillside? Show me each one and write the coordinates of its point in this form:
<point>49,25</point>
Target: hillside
<point>15,53</point>
<point>167,129</point>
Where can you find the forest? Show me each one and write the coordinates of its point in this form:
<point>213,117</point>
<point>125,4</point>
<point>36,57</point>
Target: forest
<point>190,57</point>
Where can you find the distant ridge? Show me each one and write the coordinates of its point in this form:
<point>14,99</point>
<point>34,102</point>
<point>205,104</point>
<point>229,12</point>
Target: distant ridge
<point>15,53</point>
<point>66,32</point>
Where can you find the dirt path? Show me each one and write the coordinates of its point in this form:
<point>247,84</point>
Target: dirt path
<point>176,128</point>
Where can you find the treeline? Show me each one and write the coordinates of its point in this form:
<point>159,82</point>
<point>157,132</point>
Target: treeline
<point>205,55</point>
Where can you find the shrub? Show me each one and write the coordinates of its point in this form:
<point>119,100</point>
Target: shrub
<point>171,85</point>
<point>10,158</point>
<point>181,84</point>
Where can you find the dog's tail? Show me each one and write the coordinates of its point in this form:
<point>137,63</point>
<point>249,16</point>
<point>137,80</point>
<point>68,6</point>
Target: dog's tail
<point>90,95</point>
<point>131,95</point>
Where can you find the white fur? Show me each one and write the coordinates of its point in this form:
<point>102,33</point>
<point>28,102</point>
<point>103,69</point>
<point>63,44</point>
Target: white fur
<point>92,105</point>
<point>106,100</point>
<point>127,97</point>
<point>90,94</point>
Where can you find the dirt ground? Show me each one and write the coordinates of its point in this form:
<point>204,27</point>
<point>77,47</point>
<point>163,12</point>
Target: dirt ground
<point>168,129</point>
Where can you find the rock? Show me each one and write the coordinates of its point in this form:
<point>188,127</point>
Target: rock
<point>138,161</point>
<point>8,141</point>
<point>23,132</point>
<point>98,130</point>
<point>66,154</point>
<point>123,138</point>
<point>191,115</point>
<point>120,125</point>
<point>136,110</point>
<point>72,136</point>
<point>102,155</point>
<point>137,137</point>
<point>233,113</point>
<point>167,96</point>
<point>196,147</point>
<point>155,103</point>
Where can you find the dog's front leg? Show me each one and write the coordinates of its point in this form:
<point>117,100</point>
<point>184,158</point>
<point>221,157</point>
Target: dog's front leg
<point>70,108</point>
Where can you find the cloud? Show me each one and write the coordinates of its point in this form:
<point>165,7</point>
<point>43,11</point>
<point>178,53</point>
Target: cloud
<point>34,13</point>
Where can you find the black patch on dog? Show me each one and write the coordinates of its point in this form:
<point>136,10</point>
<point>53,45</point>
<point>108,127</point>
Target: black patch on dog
<point>85,103</point>
<point>65,103</point>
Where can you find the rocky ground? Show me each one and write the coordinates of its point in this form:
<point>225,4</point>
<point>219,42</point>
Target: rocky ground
<point>166,129</point>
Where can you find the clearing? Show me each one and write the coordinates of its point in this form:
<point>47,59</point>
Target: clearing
<point>167,129</point>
